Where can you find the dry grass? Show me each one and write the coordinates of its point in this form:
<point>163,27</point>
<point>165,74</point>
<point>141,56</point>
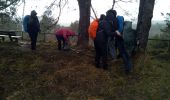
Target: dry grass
<point>70,75</point>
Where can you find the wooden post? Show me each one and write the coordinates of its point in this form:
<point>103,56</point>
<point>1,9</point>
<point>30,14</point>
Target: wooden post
<point>44,36</point>
<point>169,46</point>
<point>22,35</point>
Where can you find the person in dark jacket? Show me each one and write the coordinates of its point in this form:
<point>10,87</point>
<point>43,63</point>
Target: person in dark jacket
<point>105,30</point>
<point>100,44</point>
<point>33,29</point>
<point>111,39</point>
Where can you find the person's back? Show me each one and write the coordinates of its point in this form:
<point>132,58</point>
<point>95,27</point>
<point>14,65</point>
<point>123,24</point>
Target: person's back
<point>111,23</point>
<point>33,25</point>
<point>101,37</point>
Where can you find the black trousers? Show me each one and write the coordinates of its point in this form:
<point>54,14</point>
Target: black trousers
<point>123,53</point>
<point>33,37</point>
<point>101,54</point>
<point>61,41</point>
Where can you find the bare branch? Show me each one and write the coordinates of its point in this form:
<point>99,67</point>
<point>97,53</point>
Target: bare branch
<point>60,6</point>
<point>7,5</point>
<point>93,11</point>
<point>129,1</point>
<point>113,4</point>
<point>115,1</point>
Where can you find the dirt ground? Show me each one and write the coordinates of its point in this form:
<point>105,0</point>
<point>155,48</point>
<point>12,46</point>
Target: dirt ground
<point>48,73</point>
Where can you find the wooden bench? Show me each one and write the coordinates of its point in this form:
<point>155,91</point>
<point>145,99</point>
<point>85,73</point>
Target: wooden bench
<point>2,37</point>
<point>16,38</point>
<point>13,36</point>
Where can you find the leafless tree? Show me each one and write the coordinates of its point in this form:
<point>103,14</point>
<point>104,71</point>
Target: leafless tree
<point>84,21</point>
<point>144,22</point>
<point>115,1</point>
<point>6,3</point>
<point>60,4</point>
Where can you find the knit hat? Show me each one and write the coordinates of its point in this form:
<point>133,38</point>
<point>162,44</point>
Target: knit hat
<point>33,12</point>
<point>111,11</point>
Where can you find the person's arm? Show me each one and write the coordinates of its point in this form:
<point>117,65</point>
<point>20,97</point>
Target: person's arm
<point>118,33</point>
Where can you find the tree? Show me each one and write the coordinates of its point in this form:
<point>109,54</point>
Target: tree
<point>56,4</point>
<point>84,21</point>
<point>9,23</point>
<point>144,22</point>
<point>6,3</point>
<point>45,22</point>
<point>166,30</point>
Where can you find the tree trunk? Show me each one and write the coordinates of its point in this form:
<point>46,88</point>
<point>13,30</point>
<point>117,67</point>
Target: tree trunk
<point>84,21</point>
<point>144,22</point>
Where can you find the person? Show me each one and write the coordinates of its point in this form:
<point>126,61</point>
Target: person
<point>120,45</point>
<point>33,28</point>
<point>105,30</point>
<point>62,36</point>
<point>111,39</point>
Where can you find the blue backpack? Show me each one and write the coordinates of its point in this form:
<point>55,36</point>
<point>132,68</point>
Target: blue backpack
<point>120,20</point>
<point>25,23</point>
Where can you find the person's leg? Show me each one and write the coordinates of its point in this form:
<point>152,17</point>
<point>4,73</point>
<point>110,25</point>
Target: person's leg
<point>31,38</point>
<point>65,44</point>
<point>34,41</point>
<point>97,55</point>
<point>59,42</point>
<point>104,55</point>
<point>111,48</point>
<point>124,55</point>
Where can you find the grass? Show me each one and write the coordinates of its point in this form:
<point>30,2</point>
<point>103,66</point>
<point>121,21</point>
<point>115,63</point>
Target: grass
<point>60,75</point>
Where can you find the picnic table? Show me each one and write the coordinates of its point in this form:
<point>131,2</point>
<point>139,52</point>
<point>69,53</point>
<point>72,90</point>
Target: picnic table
<point>11,34</point>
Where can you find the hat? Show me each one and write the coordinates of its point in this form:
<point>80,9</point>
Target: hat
<point>33,12</point>
<point>111,11</point>
<point>102,16</point>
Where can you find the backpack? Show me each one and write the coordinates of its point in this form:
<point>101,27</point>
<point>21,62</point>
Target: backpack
<point>129,38</point>
<point>120,22</point>
<point>93,29</point>
<point>25,23</point>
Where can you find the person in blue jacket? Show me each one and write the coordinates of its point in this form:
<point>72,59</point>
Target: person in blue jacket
<point>33,28</point>
<point>120,45</point>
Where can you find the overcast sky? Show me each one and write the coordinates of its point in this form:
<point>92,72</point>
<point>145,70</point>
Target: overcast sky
<point>71,12</point>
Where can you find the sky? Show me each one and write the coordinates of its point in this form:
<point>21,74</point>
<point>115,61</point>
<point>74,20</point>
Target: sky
<point>71,12</point>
